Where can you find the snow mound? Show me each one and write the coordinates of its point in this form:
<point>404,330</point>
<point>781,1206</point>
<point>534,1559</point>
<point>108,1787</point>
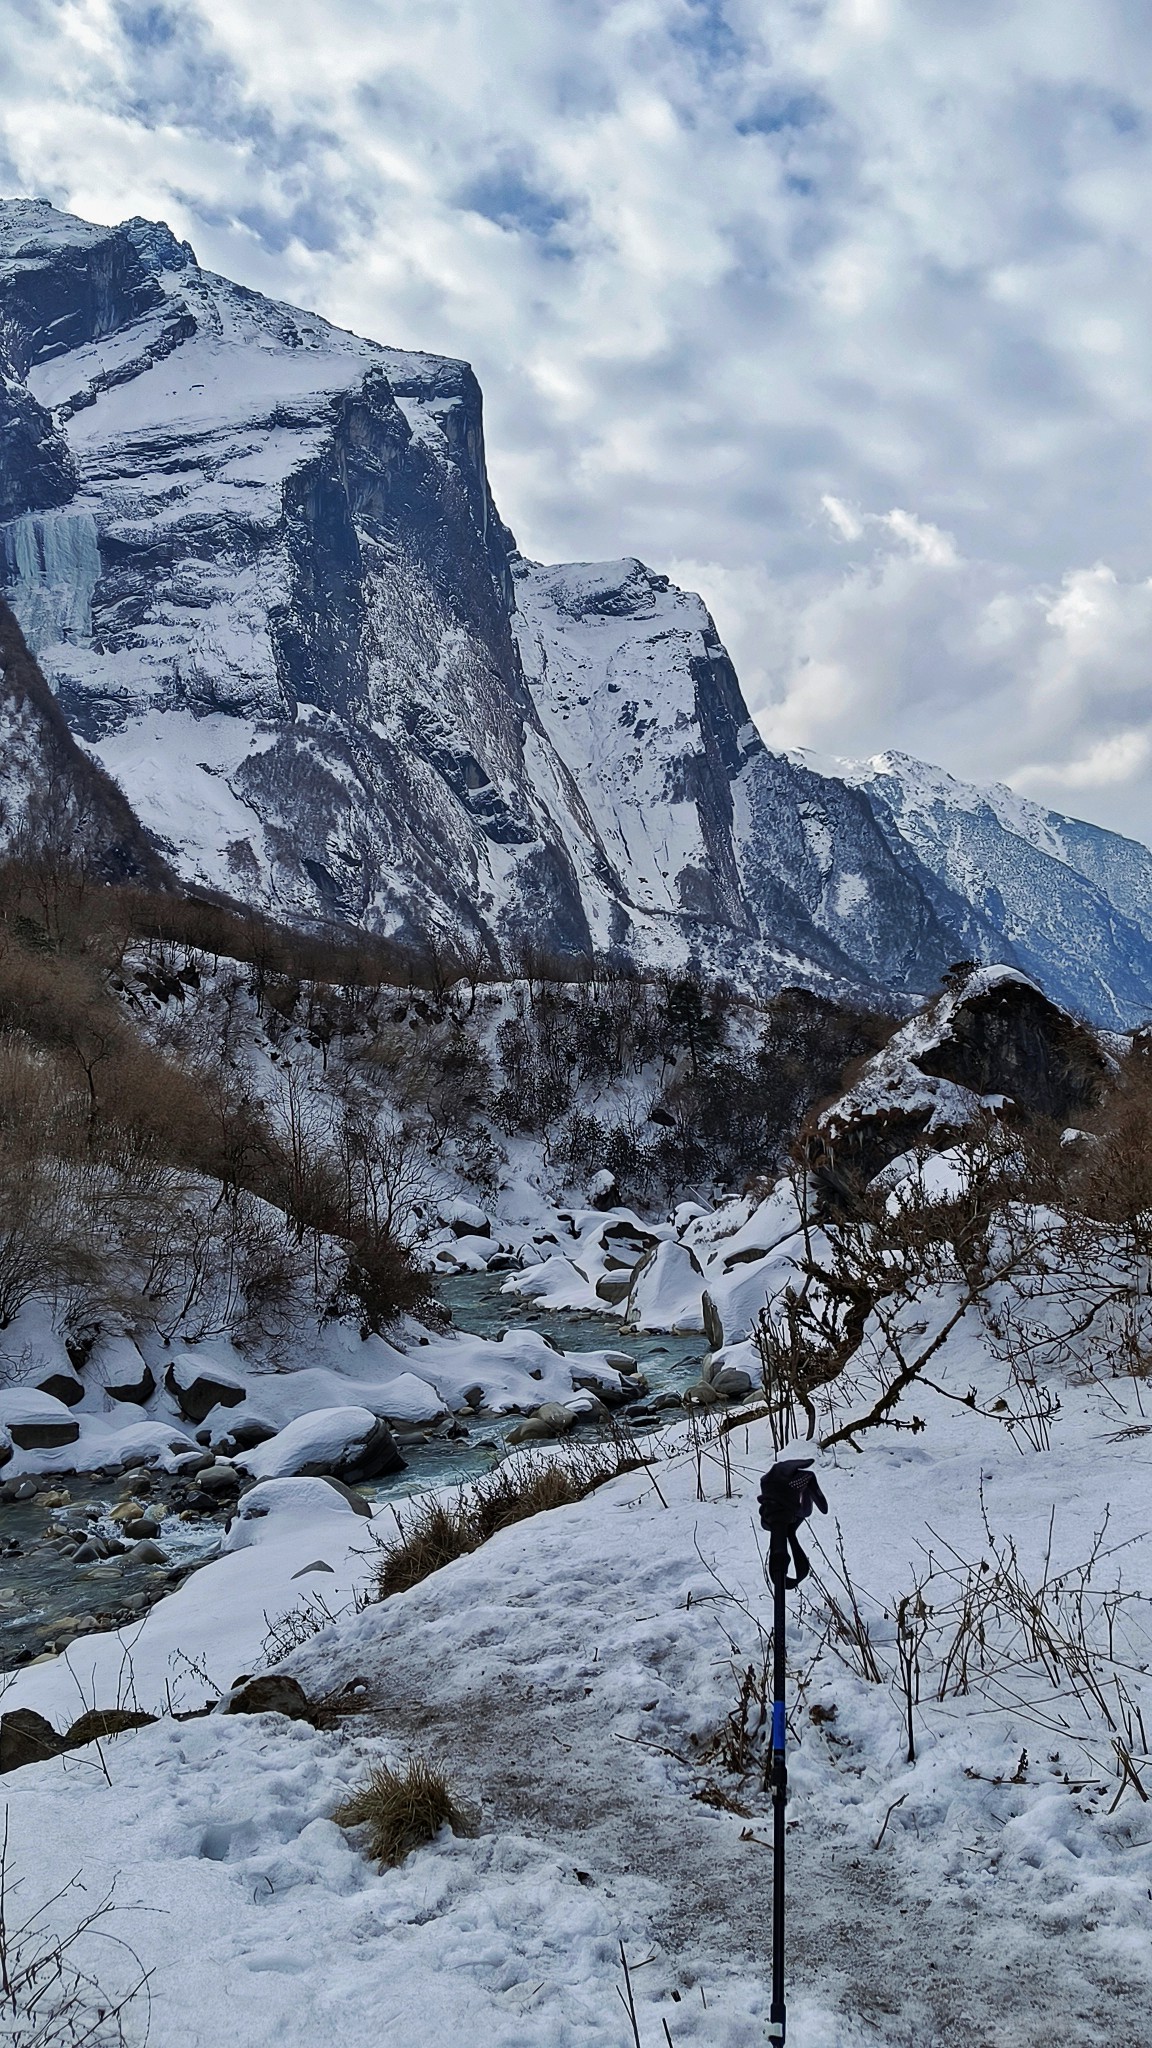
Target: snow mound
<point>667,1292</point>
<point>276,1504</point>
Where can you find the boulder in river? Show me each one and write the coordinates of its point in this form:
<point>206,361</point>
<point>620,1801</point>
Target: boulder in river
<point>614,1287</point>
<point>345,1443</point>
<point>197,1385</point>
<point>220,1478</point>
<point>732,1383</point>
<point>559,1418</point>
<point>245,1435</point>
<point>35,1421</point>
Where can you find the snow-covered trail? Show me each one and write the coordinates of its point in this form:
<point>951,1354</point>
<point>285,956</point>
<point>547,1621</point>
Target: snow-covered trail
<point>572,1676</point>
<point>552,1674</point>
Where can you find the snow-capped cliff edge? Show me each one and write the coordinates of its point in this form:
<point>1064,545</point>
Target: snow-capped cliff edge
<point>260,563</point>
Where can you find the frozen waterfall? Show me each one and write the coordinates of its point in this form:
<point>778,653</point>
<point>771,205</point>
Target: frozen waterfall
<point>50,563</point>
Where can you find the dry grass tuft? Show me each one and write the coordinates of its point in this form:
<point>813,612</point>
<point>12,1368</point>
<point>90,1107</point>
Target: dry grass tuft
<point>402,1810</point>
<point>431,1536</point>
<point>436,1532</point>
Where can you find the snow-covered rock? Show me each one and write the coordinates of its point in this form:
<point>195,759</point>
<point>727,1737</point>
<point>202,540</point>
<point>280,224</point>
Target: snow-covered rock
<point>992,1041</point>
<point>276,1504</point>
<point>116,1366</point>
<point>666,1291</point>
<point>198,1383</point>
<point>36,1421</point>
<point>351,1443</point>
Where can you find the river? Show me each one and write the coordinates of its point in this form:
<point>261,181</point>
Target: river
<point>46,1600</point>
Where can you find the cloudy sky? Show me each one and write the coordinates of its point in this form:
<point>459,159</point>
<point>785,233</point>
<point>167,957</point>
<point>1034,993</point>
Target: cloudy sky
<point>839,310</point>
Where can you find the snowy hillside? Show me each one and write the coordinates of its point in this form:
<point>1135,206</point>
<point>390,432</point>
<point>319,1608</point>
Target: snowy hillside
<point>260,563</point>
<point>1073,901</point>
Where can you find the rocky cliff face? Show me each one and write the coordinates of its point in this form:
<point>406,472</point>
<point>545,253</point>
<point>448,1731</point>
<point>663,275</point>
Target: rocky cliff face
<point>259,561</point>
<point>53,797</point>
<point>1072,902</point>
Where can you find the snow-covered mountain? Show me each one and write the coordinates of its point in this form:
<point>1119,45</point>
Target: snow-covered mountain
<point>1073,901</point>
<point>259,561</point>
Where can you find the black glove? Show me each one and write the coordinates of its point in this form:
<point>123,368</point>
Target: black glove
<point>788,1494</point>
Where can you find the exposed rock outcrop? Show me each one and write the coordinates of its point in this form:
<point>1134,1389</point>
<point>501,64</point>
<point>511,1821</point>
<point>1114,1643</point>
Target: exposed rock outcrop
<point>260,562</point>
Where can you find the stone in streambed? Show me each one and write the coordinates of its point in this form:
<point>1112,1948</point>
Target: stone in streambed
<point>732,1383</point>
<point>701,1395</point>
<point>219,1479</point>
<point>244,1436</point>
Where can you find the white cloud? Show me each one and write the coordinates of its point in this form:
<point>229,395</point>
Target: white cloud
<point>735,280</point>
<point>1117,760</point>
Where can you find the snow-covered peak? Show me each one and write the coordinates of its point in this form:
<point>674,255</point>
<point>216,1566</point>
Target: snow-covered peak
<point>34,227</point>
<point>260,562</point>
<point>1073,901</point>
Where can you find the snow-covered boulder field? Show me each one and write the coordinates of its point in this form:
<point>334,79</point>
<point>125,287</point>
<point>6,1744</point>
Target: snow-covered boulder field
<point>311,1414</point>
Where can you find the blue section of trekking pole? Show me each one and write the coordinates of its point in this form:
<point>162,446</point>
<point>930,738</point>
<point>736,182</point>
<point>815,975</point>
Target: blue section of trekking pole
<point>788,1494</point>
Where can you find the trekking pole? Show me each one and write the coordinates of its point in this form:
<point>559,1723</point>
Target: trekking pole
<point>788,1494</point>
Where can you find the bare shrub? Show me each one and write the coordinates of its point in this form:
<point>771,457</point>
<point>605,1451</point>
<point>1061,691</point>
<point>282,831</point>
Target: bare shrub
<point>1066,1650</point>
<point>296,1626</point>
<point>433,1534</point>
<point>736,1746</point>
<point>402,1810</point>
<point>50,1994</point>
<point>842,1622</point>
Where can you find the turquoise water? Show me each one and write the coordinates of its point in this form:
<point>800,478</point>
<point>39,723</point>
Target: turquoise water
<point>476,1304</point>
<point>41,1591</point>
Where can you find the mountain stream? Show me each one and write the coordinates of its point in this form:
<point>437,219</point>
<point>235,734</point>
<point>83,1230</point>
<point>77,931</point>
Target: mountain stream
<point>46,1600</point>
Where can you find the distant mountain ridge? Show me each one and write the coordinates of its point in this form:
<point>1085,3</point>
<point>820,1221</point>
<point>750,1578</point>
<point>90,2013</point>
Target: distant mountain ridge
<point>1073,901</point>
<point>260,563</point>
